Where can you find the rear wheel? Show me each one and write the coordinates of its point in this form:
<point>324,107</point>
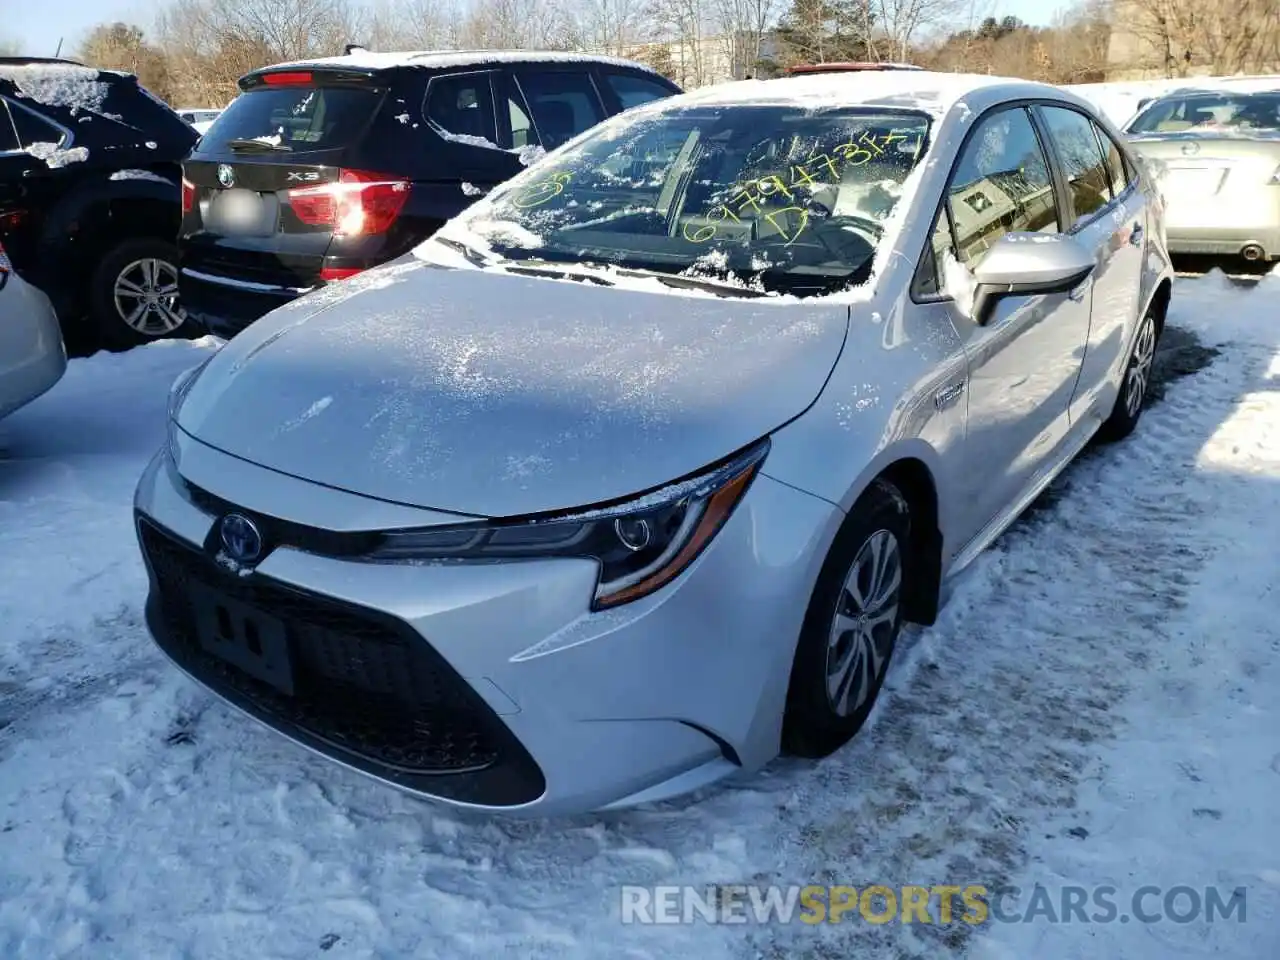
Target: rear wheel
<point>133,296</point>
<point>1137,380</point>
<point>851,627</point>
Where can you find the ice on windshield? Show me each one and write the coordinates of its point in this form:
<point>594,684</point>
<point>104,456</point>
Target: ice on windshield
<point>789,199</point>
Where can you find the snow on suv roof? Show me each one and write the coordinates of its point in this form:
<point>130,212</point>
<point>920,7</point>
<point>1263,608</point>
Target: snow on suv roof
<point>368,60</point>
<point>932,92</point>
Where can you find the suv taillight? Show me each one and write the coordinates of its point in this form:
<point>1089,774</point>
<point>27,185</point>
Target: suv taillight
<point>188,195</point>
<point>359,203</point>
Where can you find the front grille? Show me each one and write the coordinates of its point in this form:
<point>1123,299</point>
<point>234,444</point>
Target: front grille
<point>367,689</point>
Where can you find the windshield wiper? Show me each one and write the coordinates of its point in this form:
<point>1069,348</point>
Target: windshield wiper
<point>473,256</point>
<point>721,288</point>
<point>259,145</point>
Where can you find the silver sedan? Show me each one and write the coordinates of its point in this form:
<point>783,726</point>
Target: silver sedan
<point>1215,155</point>
<point>629,478</point>
<point>32,355</point>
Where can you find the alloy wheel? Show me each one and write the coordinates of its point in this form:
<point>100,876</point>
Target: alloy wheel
<point>1139,374</point>
<point>864,623</point>
<point>146,297</point>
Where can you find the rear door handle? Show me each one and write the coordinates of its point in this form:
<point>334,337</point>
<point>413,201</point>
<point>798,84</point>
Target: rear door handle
<point>1079,292</point>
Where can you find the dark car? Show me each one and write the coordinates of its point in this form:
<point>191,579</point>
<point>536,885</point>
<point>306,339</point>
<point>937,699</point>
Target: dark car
<point>322,169</point>
<point>90,197</point>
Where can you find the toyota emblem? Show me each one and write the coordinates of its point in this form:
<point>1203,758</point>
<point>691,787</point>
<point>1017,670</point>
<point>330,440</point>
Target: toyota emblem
<point>241,538</point>
<point>226,176</point>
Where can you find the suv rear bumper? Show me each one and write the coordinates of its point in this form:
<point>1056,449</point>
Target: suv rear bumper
<point>224,306</point>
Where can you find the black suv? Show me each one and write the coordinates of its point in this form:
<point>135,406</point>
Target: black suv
<point>319,170</point>
<point>90,197</point>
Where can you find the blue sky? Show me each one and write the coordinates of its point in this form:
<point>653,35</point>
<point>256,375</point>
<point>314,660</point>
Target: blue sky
<point>37,25</point>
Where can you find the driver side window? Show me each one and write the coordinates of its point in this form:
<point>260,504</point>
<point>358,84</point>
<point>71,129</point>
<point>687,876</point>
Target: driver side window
<point>1001,184</point>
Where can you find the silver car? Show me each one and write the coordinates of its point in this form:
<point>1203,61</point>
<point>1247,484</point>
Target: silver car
<point>1216,157</point>
<point>628,479</point>
<point>32,355</point>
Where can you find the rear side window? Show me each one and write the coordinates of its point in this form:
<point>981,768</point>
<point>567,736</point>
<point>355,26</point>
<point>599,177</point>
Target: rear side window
<point>1116,169</point>
<point>1082,161</point>
<point>1001,185</point>
<point>563,103</point>
<point>633,90</point>
<point>461,105</point>
<point>8,136</point>
<point>33,128</point>
<point>302,118</point>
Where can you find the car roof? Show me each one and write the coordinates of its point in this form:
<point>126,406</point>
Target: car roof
<point>847,67</point>
<point>63,84</point>
<point>927,91</point>
<point>435,59</point>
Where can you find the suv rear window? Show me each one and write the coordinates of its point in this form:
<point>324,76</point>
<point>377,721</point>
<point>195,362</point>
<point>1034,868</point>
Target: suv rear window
<point>301,118</point>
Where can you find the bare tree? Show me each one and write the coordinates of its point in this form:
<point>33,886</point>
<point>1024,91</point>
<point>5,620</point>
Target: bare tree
<point>898,23</point>
<point>612,26</point>
<point>741,27</point>
<point>1220,37</point>
<point>121,46</point>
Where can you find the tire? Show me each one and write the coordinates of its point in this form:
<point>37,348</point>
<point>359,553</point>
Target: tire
<point>138,273</point>
<point>1137,381</point>
<point>821,714</point>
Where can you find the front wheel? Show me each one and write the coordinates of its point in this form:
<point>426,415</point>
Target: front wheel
<point>133,296</point>
<point>851,627</point>
<point>1137,381</point>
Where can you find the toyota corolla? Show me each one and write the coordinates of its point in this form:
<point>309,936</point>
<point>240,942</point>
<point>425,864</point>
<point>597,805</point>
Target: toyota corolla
<point>628,479</point>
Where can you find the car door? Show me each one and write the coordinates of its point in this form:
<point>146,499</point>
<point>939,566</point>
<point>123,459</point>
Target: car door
<point>1024,360</point>
<point>562,101</point>
<point>23,179</point>
<point>1108,216</point>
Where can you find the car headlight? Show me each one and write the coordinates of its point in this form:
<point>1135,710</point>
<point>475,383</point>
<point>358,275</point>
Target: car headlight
<point>640,545</point>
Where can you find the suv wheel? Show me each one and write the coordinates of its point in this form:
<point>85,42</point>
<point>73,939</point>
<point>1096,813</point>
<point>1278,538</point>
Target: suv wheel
<point>134,294</point>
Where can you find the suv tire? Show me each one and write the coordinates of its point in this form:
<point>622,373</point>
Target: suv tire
<point>140,274</point>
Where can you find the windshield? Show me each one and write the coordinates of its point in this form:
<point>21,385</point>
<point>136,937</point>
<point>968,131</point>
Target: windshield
<point>1212,112</point>
<point>777,197</point>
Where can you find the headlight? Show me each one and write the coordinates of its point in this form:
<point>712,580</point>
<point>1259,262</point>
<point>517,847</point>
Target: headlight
<point>640,545</point>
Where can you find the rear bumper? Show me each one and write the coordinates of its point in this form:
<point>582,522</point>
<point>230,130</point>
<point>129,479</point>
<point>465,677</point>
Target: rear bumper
<point>1226,223</point>
<point>224,306</point>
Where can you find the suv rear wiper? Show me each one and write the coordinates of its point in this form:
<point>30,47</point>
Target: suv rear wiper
<point>262,145</point>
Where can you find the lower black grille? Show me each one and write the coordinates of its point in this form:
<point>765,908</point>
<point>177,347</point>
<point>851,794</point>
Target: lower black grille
<point>366,689</point>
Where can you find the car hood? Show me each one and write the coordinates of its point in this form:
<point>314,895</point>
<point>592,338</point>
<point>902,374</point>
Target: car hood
<point>489,394</point>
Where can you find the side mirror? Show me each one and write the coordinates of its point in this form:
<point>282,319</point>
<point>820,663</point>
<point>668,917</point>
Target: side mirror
<point>1028,265</point>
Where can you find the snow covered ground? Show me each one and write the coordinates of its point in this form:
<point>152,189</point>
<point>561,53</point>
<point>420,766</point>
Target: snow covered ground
<point>1096,706</point>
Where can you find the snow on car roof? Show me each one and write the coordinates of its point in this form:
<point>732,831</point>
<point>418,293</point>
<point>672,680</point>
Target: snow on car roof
<point>368,60</point>
<point>934,93</point>
<point>67,85</point>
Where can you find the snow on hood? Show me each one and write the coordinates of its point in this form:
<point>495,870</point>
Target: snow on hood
<point>74,88</point>
<point>495,395</point>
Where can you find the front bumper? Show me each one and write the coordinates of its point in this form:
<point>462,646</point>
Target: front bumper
<point>492,686</point>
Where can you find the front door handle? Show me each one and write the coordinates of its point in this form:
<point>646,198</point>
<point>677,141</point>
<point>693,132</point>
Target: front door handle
<point>1079,292</point>
<point>1135,235</point>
